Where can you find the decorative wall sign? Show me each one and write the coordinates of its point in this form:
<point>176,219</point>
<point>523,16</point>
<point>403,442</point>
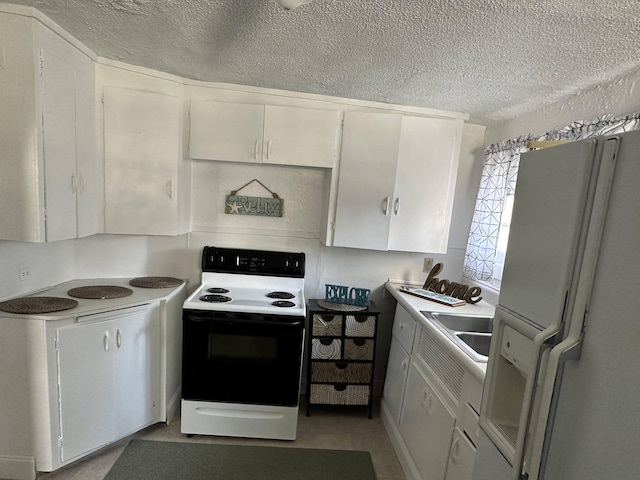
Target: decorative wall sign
<point>262,206</point>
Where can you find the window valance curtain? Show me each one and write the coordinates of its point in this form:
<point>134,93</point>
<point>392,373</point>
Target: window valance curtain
<point>499,180</point>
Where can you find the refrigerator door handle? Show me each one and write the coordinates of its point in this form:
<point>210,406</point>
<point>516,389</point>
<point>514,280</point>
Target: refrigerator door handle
<point>541,343</point>
<point>570,349</point>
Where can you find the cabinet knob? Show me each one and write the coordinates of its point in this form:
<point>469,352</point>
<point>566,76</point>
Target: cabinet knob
<point>396,206</point>
<point>105,341</point>
<point>118,338</point>
<point>404,365</point>
<point>73,184</point>
<point>255,149</point>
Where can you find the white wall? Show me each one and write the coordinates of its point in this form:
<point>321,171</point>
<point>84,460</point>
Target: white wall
<point>99,256</point>
<point>618,97</point>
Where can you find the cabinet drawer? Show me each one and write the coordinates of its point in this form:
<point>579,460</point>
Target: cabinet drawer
<point>341,394</point>
<point>341,372</point>
<point>360,326</point>
<point>358,349</point>
<point>326,348</point>
<point>327,325</point>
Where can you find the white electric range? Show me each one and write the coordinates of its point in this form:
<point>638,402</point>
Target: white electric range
<point>243,336</point>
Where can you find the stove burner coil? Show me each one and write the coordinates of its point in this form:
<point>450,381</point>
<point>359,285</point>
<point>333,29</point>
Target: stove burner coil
<point>217,290</point>
<point>283,295</point>
<point>283,303</point>
<point>215,298</point>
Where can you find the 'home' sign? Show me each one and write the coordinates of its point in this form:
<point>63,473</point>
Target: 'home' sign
<point>452,289</point>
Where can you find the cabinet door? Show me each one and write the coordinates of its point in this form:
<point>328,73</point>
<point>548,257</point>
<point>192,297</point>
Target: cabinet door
<point>226,131</point>
<point>404,328</point>
<point>365,184</point>
<point>426,425</point>
<point>109,377</point>
<point>136,339</point>
<point>86,379</point>
<point>300,136</point>
<point>461,458</point>
<point>59,144</point>
<point>142,155</point>
<point>424,184</point>
<point>395,381</point>
<point>88,185</point>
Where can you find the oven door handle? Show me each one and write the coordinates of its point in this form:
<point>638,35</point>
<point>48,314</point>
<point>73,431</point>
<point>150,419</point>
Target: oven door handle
<point>295,322</point>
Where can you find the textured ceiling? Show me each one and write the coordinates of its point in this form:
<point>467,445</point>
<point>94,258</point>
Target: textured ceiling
<point>493,59</point>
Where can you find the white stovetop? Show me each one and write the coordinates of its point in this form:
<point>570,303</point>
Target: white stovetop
<point>90,306</point>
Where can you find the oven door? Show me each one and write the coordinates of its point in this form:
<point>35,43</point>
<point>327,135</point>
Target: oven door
<point>241,358</point>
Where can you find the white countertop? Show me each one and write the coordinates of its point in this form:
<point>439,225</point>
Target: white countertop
<point>85,306</point>
<point>415,305</point>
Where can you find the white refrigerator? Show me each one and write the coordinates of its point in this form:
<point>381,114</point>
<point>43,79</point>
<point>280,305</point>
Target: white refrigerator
<point>561,399</point>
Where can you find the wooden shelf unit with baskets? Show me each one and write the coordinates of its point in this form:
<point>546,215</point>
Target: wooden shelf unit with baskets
<point>341,349</point>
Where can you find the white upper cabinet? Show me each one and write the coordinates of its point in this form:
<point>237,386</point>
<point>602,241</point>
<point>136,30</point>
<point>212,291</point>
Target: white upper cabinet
<point>396,182</point>
<point>300,136</point>
<point>49,168</point>
<point>226,131</point>
<point>143,162</point>
<point>263,134</point>
<point>365,183</point>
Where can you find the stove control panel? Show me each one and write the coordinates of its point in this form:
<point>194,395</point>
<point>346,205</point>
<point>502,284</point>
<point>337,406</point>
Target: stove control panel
<point>256,262</point>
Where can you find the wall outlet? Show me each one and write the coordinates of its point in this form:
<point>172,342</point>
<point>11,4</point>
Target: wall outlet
<point>427,265</point>
<point>24,274</point>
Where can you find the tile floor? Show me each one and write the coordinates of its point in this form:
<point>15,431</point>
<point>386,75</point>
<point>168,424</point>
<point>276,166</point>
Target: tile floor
<point>342,428</point>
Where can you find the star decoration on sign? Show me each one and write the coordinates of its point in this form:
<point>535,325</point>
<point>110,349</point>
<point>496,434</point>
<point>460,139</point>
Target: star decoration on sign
<point>234,207</point>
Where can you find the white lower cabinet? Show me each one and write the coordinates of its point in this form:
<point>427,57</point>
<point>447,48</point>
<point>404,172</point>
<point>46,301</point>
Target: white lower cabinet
<point>397,369</point>
<point>426,426</point>
<point>109,380</point>
<point>404,327</point>
<point>430,404</point>
<point>77,383</point>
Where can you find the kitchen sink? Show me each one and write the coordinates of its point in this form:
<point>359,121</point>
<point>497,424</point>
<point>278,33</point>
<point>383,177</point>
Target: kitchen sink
<point>479,343</point>
<point>471,333</point>
<point>463,323</point>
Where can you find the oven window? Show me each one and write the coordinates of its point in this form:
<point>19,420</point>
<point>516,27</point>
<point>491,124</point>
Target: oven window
<point>242,347</point>
<point>237,361</point>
